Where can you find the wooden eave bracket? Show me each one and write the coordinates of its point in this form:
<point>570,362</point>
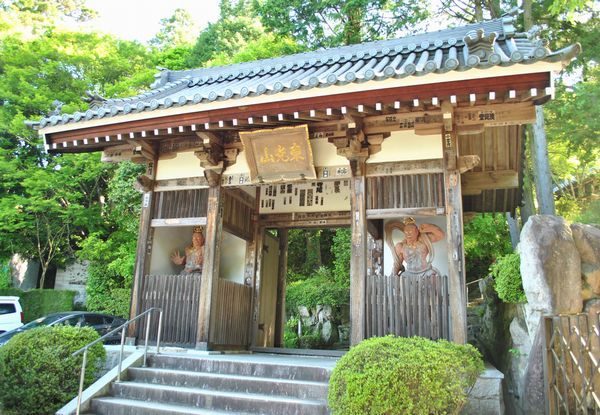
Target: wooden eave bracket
<point>144,183</point>
<point>466,163</point>
<point>144,149</point>
<point>212,153</point>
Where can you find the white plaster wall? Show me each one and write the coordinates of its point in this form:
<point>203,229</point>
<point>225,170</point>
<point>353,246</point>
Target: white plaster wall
<point>73,278</point>
<point>406,145</point>
<point>24,272</point>
<point>233,258</point>
<point>325,153</point>
<point>440,259</point>
<point>185,164</point>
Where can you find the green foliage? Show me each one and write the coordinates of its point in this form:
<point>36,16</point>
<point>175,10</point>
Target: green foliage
<point>486,238</point>
<point>38,374</point>
<point>5,275</point>
<point>236,27</point>
<point>507,279</point>
<point>40,302</point>
<point>326,23</point>
<point>179,29</point>
<point>112,258</point>
<point>263,47</point>
<point>11,291</point>
<point>395,375</point>
<point>341,249</point>
<point>319,289</point>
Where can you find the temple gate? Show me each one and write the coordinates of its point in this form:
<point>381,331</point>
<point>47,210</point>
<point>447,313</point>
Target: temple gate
<point>348,137</point>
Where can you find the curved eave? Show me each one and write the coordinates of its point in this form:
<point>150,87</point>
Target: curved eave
<point>313,92</point>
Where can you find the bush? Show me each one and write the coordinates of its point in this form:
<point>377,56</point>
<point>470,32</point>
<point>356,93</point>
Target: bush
<point>40,302</point>
<point>318,289</point>
<point>486,238</point>
<point>394,375</point>
<point>105,291</point>
<point>38,374</point>
<point>507,279</point>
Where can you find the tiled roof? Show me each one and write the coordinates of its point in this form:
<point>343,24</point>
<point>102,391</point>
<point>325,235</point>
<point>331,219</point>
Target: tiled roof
<point>480,45</point>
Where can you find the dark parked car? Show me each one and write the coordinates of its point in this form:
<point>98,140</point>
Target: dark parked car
<point>102,323</point>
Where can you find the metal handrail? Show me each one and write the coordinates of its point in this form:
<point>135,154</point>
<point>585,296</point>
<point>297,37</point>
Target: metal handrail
<point>122,327</point>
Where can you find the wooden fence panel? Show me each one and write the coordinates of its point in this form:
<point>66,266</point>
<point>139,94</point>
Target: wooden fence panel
<point>572,364</point>
<point>177,296</point>
<point>232,317</point>
<point>407,306</point>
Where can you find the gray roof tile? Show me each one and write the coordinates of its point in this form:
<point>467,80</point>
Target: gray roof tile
<point>480,45</point>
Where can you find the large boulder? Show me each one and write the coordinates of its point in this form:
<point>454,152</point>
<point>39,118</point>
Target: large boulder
<point>550,268</point>
<point>587,241</point>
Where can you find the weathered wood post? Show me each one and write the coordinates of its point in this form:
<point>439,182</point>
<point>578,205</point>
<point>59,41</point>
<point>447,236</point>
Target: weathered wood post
<point>212,252</point>
<point>454,234</point>
<point>144,242</point>
<point>280,307</point>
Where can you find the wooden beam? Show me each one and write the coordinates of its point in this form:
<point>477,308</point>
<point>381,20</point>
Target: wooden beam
<point>454,237</point>
<point>405,167</point>
<point>466,163</point>
<point>358,259</point>
<point>160,223</point>
<point>281,275</point>
<point>396,212</point>
<point>210,268</point>
<point>473,183</point>
<point>375,228</point>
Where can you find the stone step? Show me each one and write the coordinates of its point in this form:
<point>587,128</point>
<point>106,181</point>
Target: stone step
<point>119,406</point>
<point>299,389</point>
<point>267,369</point>
<point>218,400</point>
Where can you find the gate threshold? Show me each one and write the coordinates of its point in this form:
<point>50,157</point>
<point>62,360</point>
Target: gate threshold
<point>303,352</point>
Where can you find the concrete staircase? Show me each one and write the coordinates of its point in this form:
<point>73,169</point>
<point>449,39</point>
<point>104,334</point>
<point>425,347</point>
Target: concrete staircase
<point>219,384</point>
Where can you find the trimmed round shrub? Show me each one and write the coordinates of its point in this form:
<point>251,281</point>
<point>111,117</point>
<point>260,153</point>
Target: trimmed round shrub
<point>38,374</point>
<point>507,279</point>
<point>397,375</point>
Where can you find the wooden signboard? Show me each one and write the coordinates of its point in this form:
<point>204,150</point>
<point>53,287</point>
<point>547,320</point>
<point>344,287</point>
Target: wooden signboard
<point>117,154</point>
<point>170,148</point>
<point>279,154</point>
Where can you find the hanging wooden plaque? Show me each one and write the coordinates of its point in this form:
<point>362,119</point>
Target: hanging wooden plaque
<point>279,154</point>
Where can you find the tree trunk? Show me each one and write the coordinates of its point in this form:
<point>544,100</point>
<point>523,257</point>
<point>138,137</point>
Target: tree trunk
<point>513,228</point>
<point>527,14</point>
<point>543,175</point>
<point>528,208</point>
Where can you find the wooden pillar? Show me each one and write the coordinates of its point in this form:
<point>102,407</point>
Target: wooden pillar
<point>280,307</point>
<point>212,256</point>
<point>259,242</point>
<point>358,260</point>
<point>454,235</point>
<point>144,245</point>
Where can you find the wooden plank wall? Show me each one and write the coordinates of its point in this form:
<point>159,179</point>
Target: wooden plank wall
<point>405,191</point>
<point>237,217</point>
<point>178,297</point>
<point>232,314</point>
<point>180,204</point>
<point>407,306</point>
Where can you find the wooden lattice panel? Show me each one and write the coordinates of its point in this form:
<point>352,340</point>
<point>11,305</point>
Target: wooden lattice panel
<point>180,204</point>
<point>571,364</point>
<point>406,191</point>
